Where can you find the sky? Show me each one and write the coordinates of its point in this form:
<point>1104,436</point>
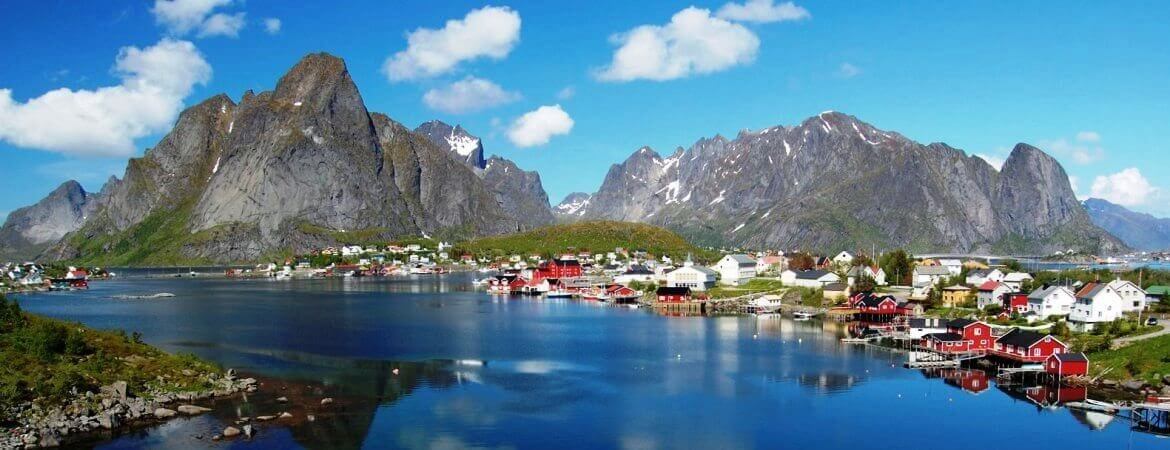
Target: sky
<point>569,88</point>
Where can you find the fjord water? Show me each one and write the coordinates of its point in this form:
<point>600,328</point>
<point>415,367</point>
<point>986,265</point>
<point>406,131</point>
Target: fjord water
<point>483,371</point>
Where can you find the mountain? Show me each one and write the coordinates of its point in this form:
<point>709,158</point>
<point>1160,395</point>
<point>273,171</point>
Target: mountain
<point>456,139</point>
<point>1138,230</point>
<point>834,182</point>
<point>302,166</point>
<point>30,229</point>
<point>574,205</point>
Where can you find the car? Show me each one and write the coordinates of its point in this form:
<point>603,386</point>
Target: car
<point>1152,321</point>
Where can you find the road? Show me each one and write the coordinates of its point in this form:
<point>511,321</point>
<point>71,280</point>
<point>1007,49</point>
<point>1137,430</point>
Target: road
<point>1122,342</point>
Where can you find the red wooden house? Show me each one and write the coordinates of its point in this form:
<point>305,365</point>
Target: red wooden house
<point>673,294</point>
<point>1067,364</point>
<point>557,268</point>
<point>1027,346</point>
<point>962,336</point>
<point>1017,303</point>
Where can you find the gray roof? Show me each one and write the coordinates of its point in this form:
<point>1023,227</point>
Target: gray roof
<point>1041,293</point>
<point>811,274</point>
<point>932,270</point>
<point>698,268</point>
<point>743,260</point>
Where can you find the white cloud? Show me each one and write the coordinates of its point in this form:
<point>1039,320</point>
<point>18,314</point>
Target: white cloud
<point>106,121</point>
<point>762,11</point>
<point>848,70</point>
<point>222,25</point>
<point>181,17</point>
<point>468,95</point>
<point>1088,136</point>
<point>566,93</point>
<point>1126,188</point>
<point>538,126</point>
<point>693,43</point>
<point>1084,149</point>
<point>995,161</point>
<point>272,25</point>
<point>1075,182</point>
<point>490,32</point>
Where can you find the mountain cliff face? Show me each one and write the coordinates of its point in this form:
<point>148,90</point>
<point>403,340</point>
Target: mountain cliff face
<point>29,229</point>
<point>1138,230</point>
<point>302,166</point>
<point>834,182</point>
<point>458,140</point>
<point>574,205</point>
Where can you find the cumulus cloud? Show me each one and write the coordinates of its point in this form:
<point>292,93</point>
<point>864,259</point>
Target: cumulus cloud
<point>995,161</point>
<point>106,121</point>
<point>488,32</point>
<point>181,17</point>
<point>1088,136</point>
<point>1084,148</point>
<point>762,11</point>
<point>468,95</point>
<point>1127,188</point>
<point>272,25</point>
<point>848,70</point>
<point>693,43</point>
<point>538,126</point>
<point>566,93</point>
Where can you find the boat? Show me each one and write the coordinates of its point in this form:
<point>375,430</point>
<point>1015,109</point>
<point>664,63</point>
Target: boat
<point>559,293</point>
<point>802,315</point>
<point>767,304</point>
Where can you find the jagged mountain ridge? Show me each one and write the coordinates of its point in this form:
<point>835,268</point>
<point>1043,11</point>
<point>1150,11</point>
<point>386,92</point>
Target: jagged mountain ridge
<point>457,139</point>
<point>31,228</point>
<point>1138,230</point>
<point>574,204</point>
<point>834,182</point>
<point>287,170</point>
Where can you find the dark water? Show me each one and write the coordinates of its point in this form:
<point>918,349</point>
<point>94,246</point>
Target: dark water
<point>478,371</point>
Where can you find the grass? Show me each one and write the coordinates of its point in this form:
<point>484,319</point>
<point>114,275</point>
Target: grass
<point>1145,360</point>
<point>46,360</point>
<point>755,285</point>
<point>597,237</point>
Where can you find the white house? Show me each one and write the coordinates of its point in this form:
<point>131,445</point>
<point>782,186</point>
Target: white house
<point>930,275</point>
<point>808,278</point>
<point>922,326</point>
<point>875,273</point>
<point>843,259</point>
<point>1051,301</point>
<point>352,250</point>
<point>991,293</point>
<point>953,266</point>
<point>1133,297</point>
<point>978,277</point>
<point>635,273</point>
<point>1015,280</point>
<point>736,269</point>
<point>1096,303</point>
<point>698,278</point>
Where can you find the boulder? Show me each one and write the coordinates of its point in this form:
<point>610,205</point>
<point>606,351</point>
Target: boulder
<point>231,432</point>
<point>248,431</point>
<point>192,410</point>
<point>1166,379</point>
<point>265,418</point>
<point>1134,385</point>
<point>282,399</point>
<point>107,421</point>
<point>164,413</point>
<point>49,440</point>
<point>285,415</point>
<point>326,401</point>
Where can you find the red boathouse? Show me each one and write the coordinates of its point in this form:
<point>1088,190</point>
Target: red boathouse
<point>1067,364</point>
<point>1027,346</point>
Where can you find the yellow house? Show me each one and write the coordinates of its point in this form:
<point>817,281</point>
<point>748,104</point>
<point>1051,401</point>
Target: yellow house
<point>956,295</point>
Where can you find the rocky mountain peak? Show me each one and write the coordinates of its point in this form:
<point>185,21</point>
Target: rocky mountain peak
<point>64,210</point>
<point>574,204</point>
<point>456,139</point>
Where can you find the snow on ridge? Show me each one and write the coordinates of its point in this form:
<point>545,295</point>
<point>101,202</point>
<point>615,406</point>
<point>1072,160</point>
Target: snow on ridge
<point>576,208</point>
<point>462,144</point>
<point>738,227</point>
<point>824,123</point>
<point>862,136</point>
<point>787,148</point>
<point>718,199</point>
<point>671,191</point>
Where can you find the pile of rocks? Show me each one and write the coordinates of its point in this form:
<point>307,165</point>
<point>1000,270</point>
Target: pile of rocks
<point>1142,387</point>
<point>112,407</point>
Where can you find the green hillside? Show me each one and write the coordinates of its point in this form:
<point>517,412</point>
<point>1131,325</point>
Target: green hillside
<point>600,236</point>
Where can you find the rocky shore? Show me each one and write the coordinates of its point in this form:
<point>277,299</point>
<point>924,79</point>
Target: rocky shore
<point>37,425</point>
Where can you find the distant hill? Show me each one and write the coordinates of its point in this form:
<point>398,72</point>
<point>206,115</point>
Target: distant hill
<point>594,236</point>
<point>1138,230</point>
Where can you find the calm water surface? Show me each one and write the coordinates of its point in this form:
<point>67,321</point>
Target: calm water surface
<point>477,371</point>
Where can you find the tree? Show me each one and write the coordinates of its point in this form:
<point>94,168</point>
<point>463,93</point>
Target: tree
<point>1013,265</point>
<point>863,260</point>
<point>801,261</point>
<point>864,283</point>
<point>898,266</point>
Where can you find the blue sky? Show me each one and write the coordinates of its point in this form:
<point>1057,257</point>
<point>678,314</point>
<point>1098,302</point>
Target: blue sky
<point>1086,81</point>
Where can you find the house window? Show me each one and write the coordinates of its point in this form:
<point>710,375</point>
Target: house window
<point>978,332</point>
<point>1035,352</point>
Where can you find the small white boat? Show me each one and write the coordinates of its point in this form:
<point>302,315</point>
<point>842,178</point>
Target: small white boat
<point>801,315</point>
<point>558,294</point>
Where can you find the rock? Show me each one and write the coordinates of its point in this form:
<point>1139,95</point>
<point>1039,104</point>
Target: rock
<point>248,431</point>
<point>311,418</point>
<point>192,410</point>
<point>326,401</point>
<point>108,421</point>
<point>1165,391</point>
<point>1133,385</point>
<point>265,418</point>
<point>282,399</point>
<point>1166,379</point>
<point>285,415</point>
<point>164,413</point>
<point>188,372</point>
<point>231,374</point>
<point>49,440</point>
<point>231,432</point>
<point>217,437</point>
<point>1109,383</point>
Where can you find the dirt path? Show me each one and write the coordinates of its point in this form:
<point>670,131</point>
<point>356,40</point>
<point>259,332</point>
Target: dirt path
<point>1122,342</point>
